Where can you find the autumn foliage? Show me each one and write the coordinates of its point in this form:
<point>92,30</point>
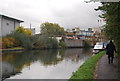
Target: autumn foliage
<point>9,42</point>
<point>21,29</point>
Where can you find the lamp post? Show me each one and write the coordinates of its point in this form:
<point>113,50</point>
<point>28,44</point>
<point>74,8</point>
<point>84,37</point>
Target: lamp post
<point>99,25</point>
<point>30,26</point>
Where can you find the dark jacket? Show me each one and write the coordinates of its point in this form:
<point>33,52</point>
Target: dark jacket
<point>110,48</point>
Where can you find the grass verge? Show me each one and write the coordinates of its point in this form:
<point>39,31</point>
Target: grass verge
<point>86,71</point>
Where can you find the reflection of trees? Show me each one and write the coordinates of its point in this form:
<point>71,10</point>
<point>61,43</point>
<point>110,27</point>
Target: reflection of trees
<point>46,57</point>
<point>87,51</point>
<point>50,57</point>
<point>18,60</point>
<point>73,54</point>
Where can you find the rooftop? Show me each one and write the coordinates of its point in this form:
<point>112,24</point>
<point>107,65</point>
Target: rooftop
<point>8,17</point>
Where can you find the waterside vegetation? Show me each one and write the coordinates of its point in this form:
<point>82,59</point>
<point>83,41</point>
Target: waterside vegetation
<point>22,37</point>
<point>47,39</point>
<point>86,71</point>
<point>111,14</point>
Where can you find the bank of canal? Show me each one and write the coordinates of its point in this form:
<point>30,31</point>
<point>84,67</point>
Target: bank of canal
<point>86,71</point>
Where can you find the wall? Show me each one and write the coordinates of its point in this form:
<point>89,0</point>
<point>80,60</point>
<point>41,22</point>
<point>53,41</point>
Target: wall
<point>17,24</point>
<point>74,43</point>
<point>8,26</point>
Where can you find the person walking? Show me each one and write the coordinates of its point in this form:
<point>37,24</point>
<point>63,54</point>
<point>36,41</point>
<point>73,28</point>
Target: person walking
<point>110,49</point>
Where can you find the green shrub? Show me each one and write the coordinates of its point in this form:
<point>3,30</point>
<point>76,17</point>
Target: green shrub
<point>31,41</point>
<point>53,43</point>
<point>46,42</point>
<point>87,44</point>
<point>24,40</point>
<point>62,44</point>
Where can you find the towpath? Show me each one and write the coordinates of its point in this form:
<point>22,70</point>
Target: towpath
<point>104,70</point>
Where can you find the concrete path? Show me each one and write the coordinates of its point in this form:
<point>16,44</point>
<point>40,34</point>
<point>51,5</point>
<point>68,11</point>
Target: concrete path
<point>104,70</point>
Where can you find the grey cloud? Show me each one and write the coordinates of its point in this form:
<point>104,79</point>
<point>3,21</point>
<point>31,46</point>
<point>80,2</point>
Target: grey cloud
<point>80,15</point>
<point>73,15</point>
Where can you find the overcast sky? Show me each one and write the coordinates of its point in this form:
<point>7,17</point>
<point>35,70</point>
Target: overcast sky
<point>67,13</point>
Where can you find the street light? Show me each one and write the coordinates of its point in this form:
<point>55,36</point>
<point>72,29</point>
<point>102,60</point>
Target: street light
<point>99,22</point>
<point>99,26</point>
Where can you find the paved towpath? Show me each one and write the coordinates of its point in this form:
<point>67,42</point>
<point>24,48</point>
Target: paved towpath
<point>104,70</point>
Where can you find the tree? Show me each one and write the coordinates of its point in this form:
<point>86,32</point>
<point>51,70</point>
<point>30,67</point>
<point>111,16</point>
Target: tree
<point>21,29</point>
<point>51,29</point>
<point>112,16</point>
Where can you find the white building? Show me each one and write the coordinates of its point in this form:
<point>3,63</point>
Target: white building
<point>8,24</point>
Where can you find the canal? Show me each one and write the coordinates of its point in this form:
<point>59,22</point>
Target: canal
<point>43,64</point>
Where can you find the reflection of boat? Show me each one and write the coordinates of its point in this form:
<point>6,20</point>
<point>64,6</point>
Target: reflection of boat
<point>59,56</point>
<point>8,70</point>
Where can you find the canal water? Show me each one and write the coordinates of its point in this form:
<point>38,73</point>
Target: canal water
<point>43,64</point>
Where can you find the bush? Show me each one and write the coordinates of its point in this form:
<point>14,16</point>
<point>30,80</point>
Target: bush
<point>53,43</point>
<point>23,40</point>
<point>46,42</point>
<point>62,44</point>
<point>29,41</point>
<point>87,44</point>
<point>21,29</point>
<point>8,42</point>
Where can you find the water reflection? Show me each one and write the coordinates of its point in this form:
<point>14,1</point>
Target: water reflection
<point>44,64</point>
<point>76,55</point>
